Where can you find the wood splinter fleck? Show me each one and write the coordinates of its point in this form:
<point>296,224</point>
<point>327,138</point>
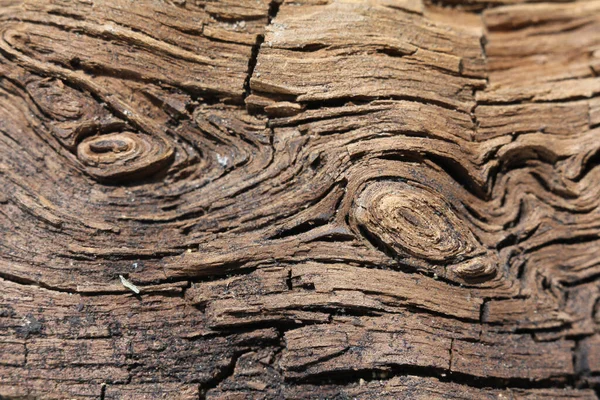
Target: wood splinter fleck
<point>129,285</point>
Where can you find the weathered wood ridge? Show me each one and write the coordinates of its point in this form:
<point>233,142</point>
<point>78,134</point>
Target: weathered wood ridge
<point>316,199</point>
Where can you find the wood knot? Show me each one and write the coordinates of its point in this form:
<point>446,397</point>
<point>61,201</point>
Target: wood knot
<point>106,146</point>
<point>478,268</point>
<point>416,223</point>
<point>123,155</point>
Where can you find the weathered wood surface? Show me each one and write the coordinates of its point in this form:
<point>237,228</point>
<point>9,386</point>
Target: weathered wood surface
<point>315,199</point>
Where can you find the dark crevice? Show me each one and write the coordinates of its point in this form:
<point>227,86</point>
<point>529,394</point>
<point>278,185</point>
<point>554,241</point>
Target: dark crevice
<point>354,311</point>
<point>582,281</point>
<point>521,266</point>
<point>451,354</point>
<point>513,239</point>
<point>399,132</point>
<point>399,7</point>
<point>63,13</point>
<point>274,9</point>
<point>299,229</point>
<point>350,376</point>
<point>237,331</point>
<point>483,41</point>
<point>460,175</point>
<point>29,282</point>
<point>331,237</point>
<point>555,329</point>
<point>588,165</point>
<point>471,6</point>
<point>272,13</point>
<point>222,375</point>
<point>353,110</point>
<point>414,309</point>
<point>283,324</point>
<point>451,167</point>
<point>363,99</point>
<point>288,281</point>
<point>309,48</point>
<point>572,27</point>
<point>120,257</point>
<point>252,64</point>
<point>319,220</point>
<point>226,273</point>
<point>530,101</point>
<point>350,101</point>
<point>378,244</point>
<point>323,359</point>
<point>483,311</point>
<point>578,239</point>
<point>394,52</point>
<point>580,361</point>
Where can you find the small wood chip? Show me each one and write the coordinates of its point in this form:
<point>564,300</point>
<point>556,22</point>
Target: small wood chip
<point>129,285</point>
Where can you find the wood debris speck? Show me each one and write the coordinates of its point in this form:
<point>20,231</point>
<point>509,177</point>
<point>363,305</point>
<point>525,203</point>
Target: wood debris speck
<point>129,285</point>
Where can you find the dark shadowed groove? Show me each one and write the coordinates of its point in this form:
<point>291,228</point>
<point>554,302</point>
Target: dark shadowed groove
<point>351,376</point>
<point>234,271</point>
<point>222,375</point>
<point>342,101</point>
<point>252,63</point>
<point>273,10</point>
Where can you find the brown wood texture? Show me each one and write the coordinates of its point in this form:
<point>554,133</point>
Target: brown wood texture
<point>314,199</point>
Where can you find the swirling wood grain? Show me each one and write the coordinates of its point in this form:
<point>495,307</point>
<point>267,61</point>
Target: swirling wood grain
<point>370,199</point>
